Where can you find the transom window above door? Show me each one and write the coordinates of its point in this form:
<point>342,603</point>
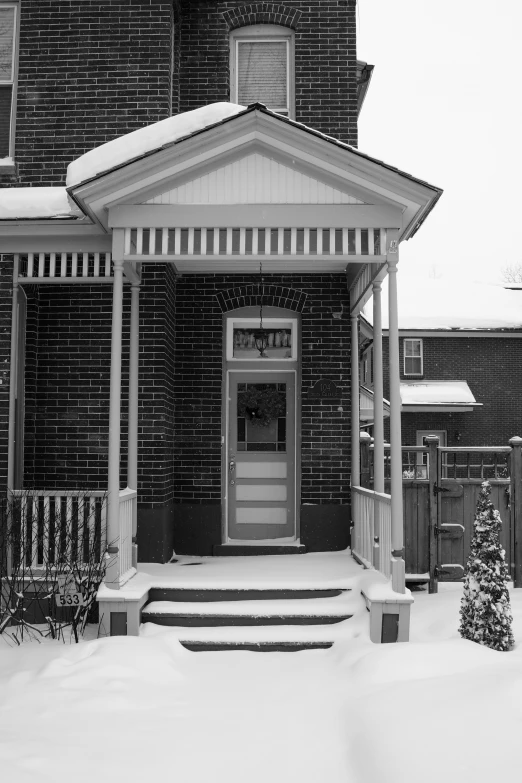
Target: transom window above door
<point>262,67</point>
<point>281,339</point>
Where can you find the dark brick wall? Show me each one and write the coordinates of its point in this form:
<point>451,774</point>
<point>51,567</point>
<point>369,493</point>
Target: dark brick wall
<point>89,71</point>
<point>492,367</point>
<point>325,451</point>
<point>325,57</point>
<point>67,386</point>
<point>6,290</point>
<point>67,391</point>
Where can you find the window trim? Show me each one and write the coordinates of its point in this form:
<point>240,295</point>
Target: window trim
<point>405,356</point>
<point>7,165</point>
<point>259,33</point>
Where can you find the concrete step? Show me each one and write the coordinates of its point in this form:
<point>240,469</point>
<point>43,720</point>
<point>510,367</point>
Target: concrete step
<point>256,638</point>
<point>187,595</point>
<point>255,647</point>
<point>246,550</point>
<point>280,611</point>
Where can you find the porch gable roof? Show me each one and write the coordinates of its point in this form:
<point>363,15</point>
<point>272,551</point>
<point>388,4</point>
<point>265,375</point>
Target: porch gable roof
<point>350,176</point>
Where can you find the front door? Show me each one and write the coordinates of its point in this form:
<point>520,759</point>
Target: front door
<point>261,457</point>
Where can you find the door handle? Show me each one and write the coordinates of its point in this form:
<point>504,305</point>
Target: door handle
<point>231,466</point>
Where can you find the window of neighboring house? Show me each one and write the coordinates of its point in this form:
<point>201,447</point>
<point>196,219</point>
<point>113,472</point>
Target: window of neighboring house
<point>8,30</point>
<point>413,357</point>
<point>262,67</point>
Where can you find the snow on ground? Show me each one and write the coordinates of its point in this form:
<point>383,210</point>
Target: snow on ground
<point>135,709</point>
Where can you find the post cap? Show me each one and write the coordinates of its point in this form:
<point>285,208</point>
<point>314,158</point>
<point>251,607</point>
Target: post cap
<point>365,437</point>
<point>515,441</point>
<point>431,438</point>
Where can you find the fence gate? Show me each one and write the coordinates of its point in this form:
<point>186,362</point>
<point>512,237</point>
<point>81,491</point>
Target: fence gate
<point>455,491</point>
<point>440,488</point>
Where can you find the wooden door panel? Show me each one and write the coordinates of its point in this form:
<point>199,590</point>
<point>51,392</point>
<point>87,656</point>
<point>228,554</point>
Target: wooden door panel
<point>261,464</point>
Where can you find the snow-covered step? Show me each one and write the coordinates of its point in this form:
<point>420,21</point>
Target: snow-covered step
<point>262,638</point>
<point>269,612</point>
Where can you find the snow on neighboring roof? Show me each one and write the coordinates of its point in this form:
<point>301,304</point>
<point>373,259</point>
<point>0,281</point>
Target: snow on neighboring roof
<point>151,137</point>
<point>452,303</point>
<point>33,203</point>
<point>436,393</point>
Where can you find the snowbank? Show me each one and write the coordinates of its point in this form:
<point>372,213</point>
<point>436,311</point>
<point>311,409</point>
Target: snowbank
<point>32,203</point>
<point>152,137</point>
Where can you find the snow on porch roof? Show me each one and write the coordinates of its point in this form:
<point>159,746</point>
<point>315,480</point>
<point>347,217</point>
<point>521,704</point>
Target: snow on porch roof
<point>441,396</point>
<point>34,203</point>
<point>173,129</point>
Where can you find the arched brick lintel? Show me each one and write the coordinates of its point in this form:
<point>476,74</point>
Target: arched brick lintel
<point>273,296</point>
<point>262,13</point>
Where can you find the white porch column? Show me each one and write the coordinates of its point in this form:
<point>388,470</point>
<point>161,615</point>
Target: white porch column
<point>378,393</point>
<point>397,537</point>
<point>13,377</point>
<point>132,462</point>
<point>356,460</point>
<point>113,527</point>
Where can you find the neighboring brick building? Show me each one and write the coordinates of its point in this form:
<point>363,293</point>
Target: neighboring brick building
<point>470,336</point>
<point>187,211</point>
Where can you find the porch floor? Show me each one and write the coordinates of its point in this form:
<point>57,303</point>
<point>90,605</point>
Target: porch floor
<point>313,571</point>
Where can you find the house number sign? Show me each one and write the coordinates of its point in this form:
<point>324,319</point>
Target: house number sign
<point>324,390</point>
<point>67,594</point>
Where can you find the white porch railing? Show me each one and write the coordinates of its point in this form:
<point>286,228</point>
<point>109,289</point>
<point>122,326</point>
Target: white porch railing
<point>127,505</point>
<point>58,524</point>
<point>371,535</point>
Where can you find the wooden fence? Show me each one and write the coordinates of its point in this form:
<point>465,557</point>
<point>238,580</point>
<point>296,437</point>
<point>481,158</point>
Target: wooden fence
<point>440,491</point>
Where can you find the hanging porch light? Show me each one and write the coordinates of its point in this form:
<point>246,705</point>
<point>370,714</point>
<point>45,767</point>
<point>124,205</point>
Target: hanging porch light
<point>261,335</point>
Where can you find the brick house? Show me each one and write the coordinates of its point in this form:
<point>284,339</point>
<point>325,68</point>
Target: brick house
<point>188,234</point>
<point>460,362</point>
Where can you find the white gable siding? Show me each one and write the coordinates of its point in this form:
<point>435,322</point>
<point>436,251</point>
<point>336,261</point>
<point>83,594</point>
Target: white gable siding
<point>254,179</point>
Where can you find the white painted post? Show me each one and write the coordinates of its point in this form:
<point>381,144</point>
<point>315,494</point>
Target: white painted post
<point>378,393</point>
<point>356,462</point>
<point>113,522</point>
<point>13,372</point>
<point>132,462</point>
<point>397,536</point>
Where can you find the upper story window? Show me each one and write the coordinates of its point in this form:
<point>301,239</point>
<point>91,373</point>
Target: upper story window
<point>8,30</point>
<point>413,357</point>
<point>262,67</point>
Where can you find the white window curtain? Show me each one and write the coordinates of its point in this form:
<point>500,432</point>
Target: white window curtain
<point>262,74</point>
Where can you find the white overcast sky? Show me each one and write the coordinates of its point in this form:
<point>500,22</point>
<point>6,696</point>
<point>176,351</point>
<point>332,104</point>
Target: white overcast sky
<point>444,104</point>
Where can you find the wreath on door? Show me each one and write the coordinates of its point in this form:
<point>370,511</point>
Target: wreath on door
<point>261,405</point>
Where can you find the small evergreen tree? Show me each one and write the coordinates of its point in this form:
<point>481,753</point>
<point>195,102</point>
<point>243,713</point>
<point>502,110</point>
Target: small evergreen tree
<point>485,611</point>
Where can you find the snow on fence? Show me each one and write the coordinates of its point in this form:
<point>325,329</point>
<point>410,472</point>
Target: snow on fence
<point>57,525</point>
<point>371,536</point>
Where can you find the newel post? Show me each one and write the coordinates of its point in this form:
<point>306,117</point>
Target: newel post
<point>432,441</point>
<point>516,509</point>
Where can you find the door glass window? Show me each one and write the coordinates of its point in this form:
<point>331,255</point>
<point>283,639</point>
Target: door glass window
<point>261,417</point>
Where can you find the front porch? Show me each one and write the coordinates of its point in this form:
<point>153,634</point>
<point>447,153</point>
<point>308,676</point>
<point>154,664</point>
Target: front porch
<point>194,226</point>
